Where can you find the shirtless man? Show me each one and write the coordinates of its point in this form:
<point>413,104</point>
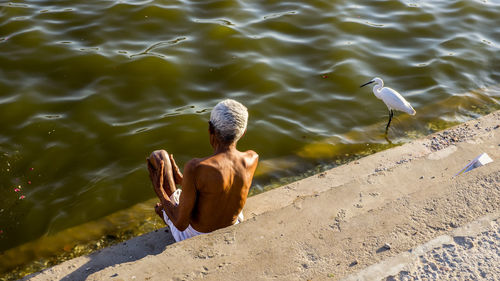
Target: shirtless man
<point>214,188</point>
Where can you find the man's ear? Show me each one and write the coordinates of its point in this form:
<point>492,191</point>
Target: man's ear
<point>211,129</point>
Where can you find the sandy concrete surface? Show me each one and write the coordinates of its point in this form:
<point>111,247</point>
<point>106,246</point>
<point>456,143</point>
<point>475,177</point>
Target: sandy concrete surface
<point>399,212</point>
<point>471,252</point>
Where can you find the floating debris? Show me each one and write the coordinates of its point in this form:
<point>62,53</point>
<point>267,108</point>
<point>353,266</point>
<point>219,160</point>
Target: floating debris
<point>17,189</point>
<point>22,197</point>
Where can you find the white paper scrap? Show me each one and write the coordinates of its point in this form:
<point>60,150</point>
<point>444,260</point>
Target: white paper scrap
<point>479,161</point>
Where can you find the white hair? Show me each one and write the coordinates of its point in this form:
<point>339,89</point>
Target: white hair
<point>229,118</point>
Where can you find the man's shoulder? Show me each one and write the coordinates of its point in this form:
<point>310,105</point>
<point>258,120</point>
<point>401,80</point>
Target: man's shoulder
<point>251,157</point>
<point>251,154</point>
<point>203,169</point>
<point>197,164</point>
<point>194,163</point>
<point>248,157</point>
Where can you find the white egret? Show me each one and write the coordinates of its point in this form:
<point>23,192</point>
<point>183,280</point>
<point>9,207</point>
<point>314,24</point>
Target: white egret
<point>391,98</point>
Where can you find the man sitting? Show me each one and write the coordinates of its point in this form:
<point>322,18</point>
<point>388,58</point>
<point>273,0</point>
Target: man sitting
<point>214,188</point>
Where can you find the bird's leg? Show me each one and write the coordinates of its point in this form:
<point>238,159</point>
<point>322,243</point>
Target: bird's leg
<point>387,139</point>
<point>391,113</point>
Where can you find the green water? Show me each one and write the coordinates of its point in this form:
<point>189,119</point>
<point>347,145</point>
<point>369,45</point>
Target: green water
<point>89,88</point>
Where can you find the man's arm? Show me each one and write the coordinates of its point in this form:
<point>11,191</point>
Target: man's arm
<point>175,171</point>
<point>156,176</point>
<point>180,215</point>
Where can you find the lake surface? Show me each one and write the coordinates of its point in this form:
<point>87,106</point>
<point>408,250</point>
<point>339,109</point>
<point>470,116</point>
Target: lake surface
<point>89,88</point>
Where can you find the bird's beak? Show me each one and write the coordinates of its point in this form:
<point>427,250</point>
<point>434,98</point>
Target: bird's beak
<point>373,81</point>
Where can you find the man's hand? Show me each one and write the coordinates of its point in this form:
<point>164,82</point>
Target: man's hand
<point>156,176</point>
<point>177,173</point>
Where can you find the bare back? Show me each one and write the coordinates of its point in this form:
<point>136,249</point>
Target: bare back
<point>222,182</point>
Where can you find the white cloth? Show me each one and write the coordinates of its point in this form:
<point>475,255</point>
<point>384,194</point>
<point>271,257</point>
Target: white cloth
<point>189,231</point>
